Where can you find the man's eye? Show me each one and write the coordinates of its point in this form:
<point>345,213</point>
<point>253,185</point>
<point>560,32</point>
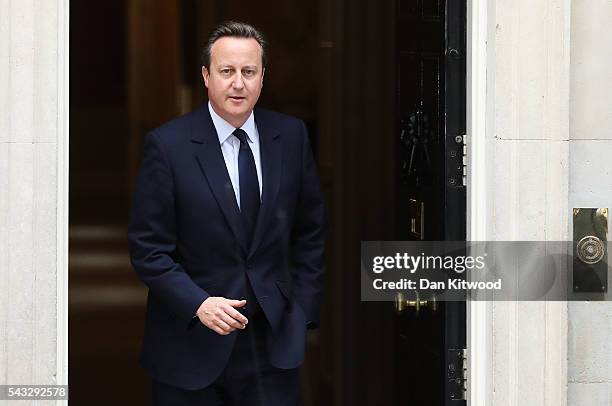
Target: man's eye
<point>249,72</point>
<point>225,71</point>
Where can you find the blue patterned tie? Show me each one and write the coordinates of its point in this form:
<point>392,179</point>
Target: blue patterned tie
<point>249,185</point>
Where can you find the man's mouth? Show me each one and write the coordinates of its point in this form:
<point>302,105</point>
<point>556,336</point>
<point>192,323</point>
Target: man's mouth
<point>237,98</point>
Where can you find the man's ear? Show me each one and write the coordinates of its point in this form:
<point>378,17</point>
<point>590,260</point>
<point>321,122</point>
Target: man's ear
<point>205,75</point>
<point>263,72</point>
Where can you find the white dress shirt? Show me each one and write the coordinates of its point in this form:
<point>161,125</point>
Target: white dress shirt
<point>230,147</point>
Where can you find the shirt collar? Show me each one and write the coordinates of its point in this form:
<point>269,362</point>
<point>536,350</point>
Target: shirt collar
<point>225,129</point>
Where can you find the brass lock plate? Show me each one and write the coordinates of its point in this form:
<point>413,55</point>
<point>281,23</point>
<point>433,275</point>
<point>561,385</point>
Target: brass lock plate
<point>590,265</point>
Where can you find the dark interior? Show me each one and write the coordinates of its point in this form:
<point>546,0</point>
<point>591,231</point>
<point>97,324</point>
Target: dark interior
<point>360,74</point>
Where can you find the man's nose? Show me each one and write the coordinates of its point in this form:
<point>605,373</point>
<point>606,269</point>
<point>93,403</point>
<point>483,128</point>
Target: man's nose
<point>238,82</point>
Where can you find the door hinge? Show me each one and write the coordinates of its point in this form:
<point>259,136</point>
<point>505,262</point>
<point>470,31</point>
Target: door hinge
<point>457,161</point>
<point>465,159</point>
<point>457,374</point>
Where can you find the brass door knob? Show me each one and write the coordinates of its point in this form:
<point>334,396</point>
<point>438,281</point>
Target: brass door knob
<point>401,304</point>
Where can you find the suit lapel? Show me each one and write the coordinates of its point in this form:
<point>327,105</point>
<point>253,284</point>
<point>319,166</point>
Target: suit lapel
<point>271,163</point>
<point>210,158</point>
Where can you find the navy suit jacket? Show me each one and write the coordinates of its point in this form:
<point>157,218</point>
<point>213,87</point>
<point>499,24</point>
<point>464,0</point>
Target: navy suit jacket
<point>187,243</point>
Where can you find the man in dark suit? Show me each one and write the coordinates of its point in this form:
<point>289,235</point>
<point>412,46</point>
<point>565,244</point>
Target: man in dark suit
<point>227,229</point>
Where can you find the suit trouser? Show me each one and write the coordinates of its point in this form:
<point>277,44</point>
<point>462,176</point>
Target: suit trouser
<point>247,380</point>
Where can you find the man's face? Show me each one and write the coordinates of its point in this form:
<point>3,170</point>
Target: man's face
<point>235,78</point>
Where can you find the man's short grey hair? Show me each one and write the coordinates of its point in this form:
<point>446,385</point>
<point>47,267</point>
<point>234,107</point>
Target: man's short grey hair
<point>234,29</point>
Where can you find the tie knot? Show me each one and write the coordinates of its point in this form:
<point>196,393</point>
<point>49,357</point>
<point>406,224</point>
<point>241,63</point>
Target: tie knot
<point>241,135</point>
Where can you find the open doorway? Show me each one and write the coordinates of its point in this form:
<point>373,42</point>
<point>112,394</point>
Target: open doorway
<point>355,72</point>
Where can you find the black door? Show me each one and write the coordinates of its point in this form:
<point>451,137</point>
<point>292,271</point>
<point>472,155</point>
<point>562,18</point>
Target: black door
<point>430,43</point>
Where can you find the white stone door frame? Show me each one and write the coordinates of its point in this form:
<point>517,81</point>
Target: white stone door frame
<point>63,155</point>
<point>517,351</point>
<point>477,322</point>
<point>479,370</point>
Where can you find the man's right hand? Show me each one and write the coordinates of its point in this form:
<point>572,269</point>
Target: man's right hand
<point>220,315</point>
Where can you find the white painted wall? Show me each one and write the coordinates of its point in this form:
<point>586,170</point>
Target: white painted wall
<point>590,324</point>
<point>33,191</point>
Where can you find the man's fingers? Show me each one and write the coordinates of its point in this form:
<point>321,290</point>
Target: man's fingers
<point>233,318</point>
<point>226,328</point>
<point>214,327</point>
<point>220,331</point>
<point>236,303</point>
<point>236,315</point>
